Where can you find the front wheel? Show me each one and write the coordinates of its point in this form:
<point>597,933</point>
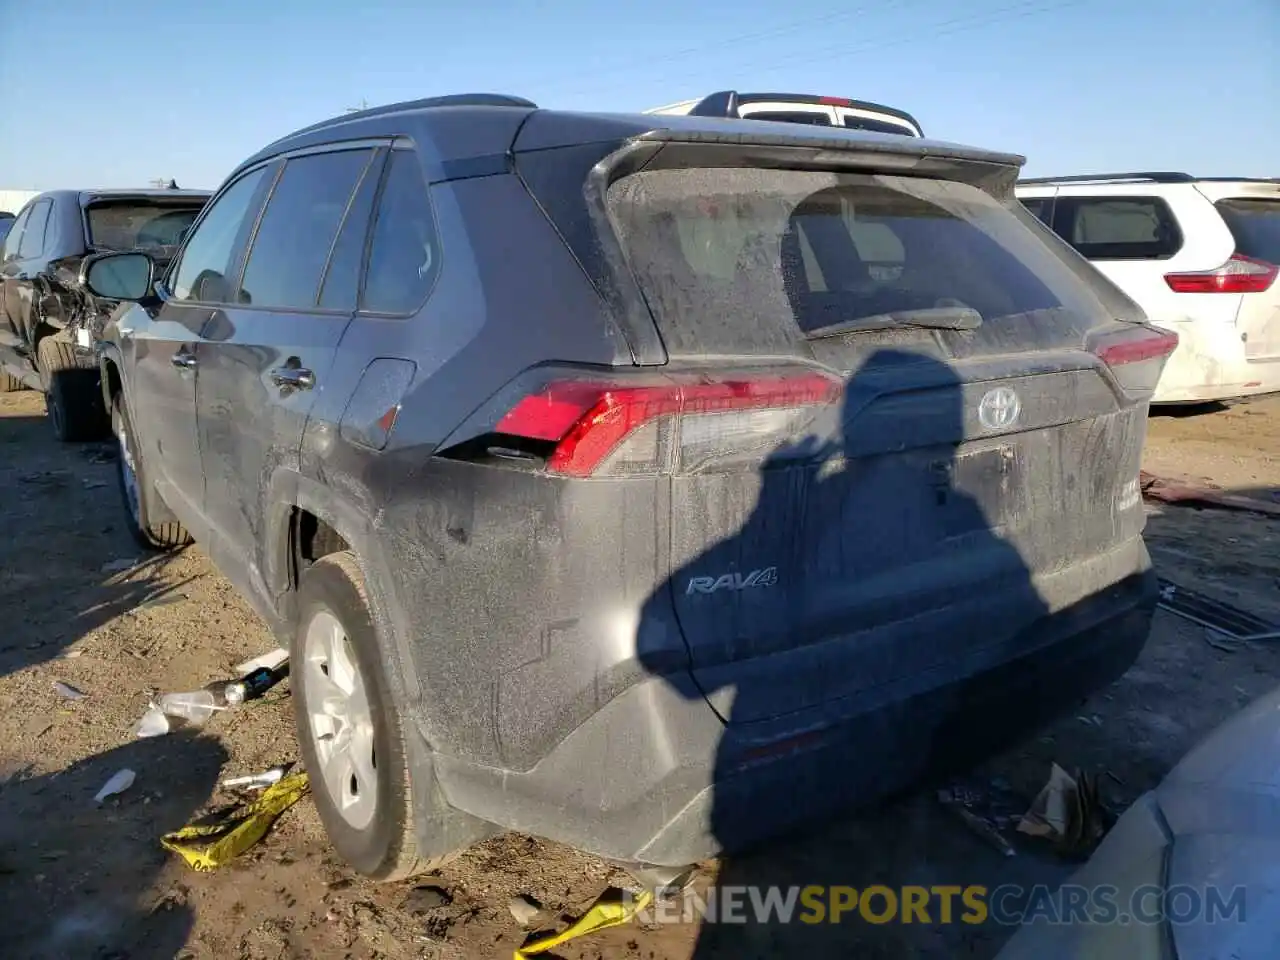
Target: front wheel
<point>134,489</point>
<point>349,732</point>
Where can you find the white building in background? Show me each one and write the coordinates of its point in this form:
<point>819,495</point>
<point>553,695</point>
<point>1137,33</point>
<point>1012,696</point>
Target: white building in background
<point>12,200</point>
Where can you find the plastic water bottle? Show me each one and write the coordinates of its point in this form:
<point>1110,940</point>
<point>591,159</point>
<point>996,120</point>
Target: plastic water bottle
<point>195,707</point>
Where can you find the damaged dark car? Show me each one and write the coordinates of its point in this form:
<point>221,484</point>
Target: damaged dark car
<point>49,322</point>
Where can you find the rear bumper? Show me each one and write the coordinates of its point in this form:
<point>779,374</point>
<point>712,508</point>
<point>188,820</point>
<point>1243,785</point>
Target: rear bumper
<point>1210,364</point>
<point>655,776</point>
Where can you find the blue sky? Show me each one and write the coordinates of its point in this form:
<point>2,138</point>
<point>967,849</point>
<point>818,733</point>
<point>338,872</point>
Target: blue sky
<point>118,93</point>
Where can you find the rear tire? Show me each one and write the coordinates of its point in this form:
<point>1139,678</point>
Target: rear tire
<point>135,491</point>
<point>349,731</point>
<point>73,395</point>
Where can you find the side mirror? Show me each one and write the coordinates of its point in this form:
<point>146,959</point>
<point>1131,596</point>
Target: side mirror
<point>118,276</point>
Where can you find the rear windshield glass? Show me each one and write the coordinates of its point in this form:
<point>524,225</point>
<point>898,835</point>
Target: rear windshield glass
<point>719,252</point>
<point>128,225</point>
<point>1255,224</point>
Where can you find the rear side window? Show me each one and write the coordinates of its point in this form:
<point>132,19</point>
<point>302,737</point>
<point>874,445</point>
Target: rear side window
<point>791,116</point>
<point>1041,207</point>
<point>732,258</point>
<point>855,122</point>
<point>32,243</point>
<point>132,224</point>
<point>298,229</point>
<point>404,255</point>
<point>1255,225</point>
<point>1118,228</point>
<point>342,276</point>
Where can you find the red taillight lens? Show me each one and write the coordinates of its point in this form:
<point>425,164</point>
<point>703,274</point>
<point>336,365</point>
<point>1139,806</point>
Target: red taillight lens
<point>592,422</point>
<point>1135,354</point>
<point>836,101</point>
<point>1145,343</point>
<point>1240,274</point>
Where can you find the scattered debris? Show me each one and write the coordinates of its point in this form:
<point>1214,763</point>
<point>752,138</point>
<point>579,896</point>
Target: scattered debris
<point>45,478</point>
<point>421,899</point>
<point>118,566</point>
<point>257,781</point>
<point>94,484</point>
<point>72,654</point>
<point>1090,721</point>
<point>612,910</point>
<point>1221,642</point>
<point>104,453</point>
<point>160,600</point>
<point>194,708</point>
<point>209,843</point>
<point>255,684</point>
<point>272,660</point>
<point>524,908</point>
<point>1157,488</point>
<point>1225,619</point>
<point>67,691</point>
<point>984,809</point>
<point>1069,813</point>
<point>120,781</point>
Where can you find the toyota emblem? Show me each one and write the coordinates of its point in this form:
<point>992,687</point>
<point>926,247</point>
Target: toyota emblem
<point>999,409</point>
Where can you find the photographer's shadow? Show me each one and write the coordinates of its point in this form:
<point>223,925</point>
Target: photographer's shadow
<point>872,663</point>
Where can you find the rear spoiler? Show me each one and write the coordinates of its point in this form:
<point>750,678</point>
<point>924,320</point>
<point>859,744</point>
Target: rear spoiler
<point>812,148</point>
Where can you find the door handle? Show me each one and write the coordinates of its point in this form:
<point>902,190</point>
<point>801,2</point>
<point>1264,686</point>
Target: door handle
<point>293,378</point>
<point>183,360</point>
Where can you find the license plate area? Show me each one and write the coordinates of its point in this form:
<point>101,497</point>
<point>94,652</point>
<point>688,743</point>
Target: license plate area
<point>978,489</point>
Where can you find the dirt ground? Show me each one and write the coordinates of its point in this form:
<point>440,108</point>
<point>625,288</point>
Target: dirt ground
<point>81,605</point>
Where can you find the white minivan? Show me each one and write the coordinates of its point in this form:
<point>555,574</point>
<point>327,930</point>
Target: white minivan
<point>1199,254</point>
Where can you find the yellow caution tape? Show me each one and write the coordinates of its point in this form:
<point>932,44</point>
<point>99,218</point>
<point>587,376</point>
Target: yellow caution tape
<point>207,846</point>
<point>599,917</point>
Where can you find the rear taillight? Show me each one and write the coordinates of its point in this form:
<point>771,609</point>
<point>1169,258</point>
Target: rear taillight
<point>1240,274</point>
<point>1136,355</point>
<point>622,429</point>
<point>836,101</point>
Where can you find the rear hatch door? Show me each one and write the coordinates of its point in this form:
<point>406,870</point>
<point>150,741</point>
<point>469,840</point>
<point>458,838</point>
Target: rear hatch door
<point>1254,221</point>
<point>975,445</point>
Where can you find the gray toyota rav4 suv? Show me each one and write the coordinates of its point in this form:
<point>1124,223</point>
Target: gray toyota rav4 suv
<point>649,483</point>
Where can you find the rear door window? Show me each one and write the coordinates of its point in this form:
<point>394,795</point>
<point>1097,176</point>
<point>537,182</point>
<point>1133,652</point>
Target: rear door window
<point>404,254</point>
<point>1255,225</point>
<point>1118,228</point>
<point>729,259</point>
<point>201,272</point>
<point>14,238</point>
<point>32,243</point>
<point>298,229</point>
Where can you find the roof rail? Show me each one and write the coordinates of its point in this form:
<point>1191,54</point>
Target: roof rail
<point>452,100</point>
<point>1149,177</point>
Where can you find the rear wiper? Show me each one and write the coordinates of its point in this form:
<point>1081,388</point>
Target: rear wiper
<point>932,318</point>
